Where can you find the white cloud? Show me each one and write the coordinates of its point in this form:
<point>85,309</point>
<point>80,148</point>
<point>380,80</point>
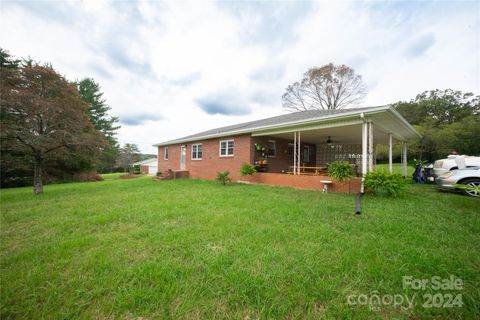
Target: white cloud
<point>169,61</point>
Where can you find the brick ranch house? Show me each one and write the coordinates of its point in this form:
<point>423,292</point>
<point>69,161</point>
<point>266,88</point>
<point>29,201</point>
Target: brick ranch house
<point>292,149</point>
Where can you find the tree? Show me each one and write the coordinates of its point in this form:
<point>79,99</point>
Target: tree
<point>447,119</point>
<point>44,118</point>
<point>97,107</point>
<point>6,60</point>
<point>128,154</point>
<point>439,107</point>
<point>97,111</point>
<point>325,88</point>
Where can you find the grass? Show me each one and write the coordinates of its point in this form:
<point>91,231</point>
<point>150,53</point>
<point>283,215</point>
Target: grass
<point>397,168</point>
<point>112,176</point>
<point>194,249</point>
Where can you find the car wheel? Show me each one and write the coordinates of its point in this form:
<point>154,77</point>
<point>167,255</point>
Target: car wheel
<point>473,183</point>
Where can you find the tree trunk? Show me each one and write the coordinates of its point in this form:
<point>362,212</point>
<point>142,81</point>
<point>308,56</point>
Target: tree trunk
<point>37,178</point>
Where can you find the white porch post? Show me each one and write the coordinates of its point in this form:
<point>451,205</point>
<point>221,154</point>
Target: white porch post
<point>370,146</point>
<point>364,153</point>
<point>294,152</point>
<point>404,159</point>
<point>390,157</point>
<point>299,153</point>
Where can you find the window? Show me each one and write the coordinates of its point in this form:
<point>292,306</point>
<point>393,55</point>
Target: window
<point>197,151</point>
<point>306,154</point>
<point>272,148</point>
<point>165,153</point>
<point>227,148</point>
<point>290,149</point>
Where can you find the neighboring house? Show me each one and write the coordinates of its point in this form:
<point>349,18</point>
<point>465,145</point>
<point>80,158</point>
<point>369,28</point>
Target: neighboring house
<point>149,166</point>
<point>292,149</point>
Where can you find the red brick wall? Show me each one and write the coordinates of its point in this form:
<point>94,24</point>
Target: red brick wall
<point>211,162</point>
<point>303,182</point>
<point>283,159</point>
<point>144,169</point>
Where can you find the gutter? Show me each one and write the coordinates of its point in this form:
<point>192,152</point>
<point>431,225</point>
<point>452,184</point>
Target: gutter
<point>250,130</point>
<point>405,122</point>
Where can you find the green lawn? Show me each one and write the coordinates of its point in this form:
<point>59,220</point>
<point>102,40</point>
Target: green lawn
<point>128,249</point>
<point>112,176</point>
<point>397,168</point>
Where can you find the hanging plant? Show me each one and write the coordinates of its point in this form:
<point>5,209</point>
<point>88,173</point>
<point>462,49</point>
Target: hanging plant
<point>258,147</point>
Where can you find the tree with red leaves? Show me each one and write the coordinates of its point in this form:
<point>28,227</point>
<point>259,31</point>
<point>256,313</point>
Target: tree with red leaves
<point>44,118</point>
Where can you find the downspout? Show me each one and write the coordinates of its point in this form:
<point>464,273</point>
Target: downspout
<point>358,197</point>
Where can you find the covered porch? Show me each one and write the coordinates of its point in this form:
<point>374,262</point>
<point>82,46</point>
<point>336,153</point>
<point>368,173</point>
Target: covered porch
<point>299,155</point>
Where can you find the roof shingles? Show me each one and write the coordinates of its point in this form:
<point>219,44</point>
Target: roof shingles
<point>273,121</point>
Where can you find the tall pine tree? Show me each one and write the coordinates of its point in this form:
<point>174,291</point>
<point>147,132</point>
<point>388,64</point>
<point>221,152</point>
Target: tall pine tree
<point>7,61</point>
<point>98,110</point>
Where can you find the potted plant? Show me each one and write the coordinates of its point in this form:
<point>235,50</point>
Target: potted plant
<point>341,171</point>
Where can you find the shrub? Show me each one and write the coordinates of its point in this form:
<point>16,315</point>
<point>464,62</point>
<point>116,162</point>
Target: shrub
<point>86,176</point>
<point>129,176</point>
<point>379,181</point>
<point>136,169</point>
<point>341,170</point>
<point>223,177</point>
<point>247,170</point>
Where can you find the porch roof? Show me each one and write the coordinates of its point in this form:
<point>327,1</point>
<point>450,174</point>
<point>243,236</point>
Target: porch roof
<point>307,120</point>
<point>147,161</point>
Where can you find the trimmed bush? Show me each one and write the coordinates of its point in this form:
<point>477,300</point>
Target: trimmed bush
<point>379,181</point>
<point>341,170</point>
<point>223,177</point>
<point>247,170</point>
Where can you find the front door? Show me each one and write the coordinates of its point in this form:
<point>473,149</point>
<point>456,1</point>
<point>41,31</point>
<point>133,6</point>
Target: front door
<point>183,156</point>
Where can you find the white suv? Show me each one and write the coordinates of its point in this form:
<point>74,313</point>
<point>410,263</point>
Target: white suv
<point>452,163</point>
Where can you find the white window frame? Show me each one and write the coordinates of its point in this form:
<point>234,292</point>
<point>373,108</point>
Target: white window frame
<point>306,153</point>
<point>274,149</point>
<point>227,142</point>
<point>196,145</point>
<point>165,153</point>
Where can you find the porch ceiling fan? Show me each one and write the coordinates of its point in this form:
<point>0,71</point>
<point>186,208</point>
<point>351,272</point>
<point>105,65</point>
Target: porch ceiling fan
<point>329,140</point>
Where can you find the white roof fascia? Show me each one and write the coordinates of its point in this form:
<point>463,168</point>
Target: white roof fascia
<point>405,122</point>
<point>282,125</point>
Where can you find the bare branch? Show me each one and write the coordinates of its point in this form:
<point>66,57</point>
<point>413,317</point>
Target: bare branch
<point>323,88</point>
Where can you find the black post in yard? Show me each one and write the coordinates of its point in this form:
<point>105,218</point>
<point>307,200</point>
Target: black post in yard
<point>358,204</point>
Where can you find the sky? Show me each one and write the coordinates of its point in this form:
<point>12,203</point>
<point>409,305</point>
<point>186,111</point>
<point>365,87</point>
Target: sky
<point>170,69</point>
